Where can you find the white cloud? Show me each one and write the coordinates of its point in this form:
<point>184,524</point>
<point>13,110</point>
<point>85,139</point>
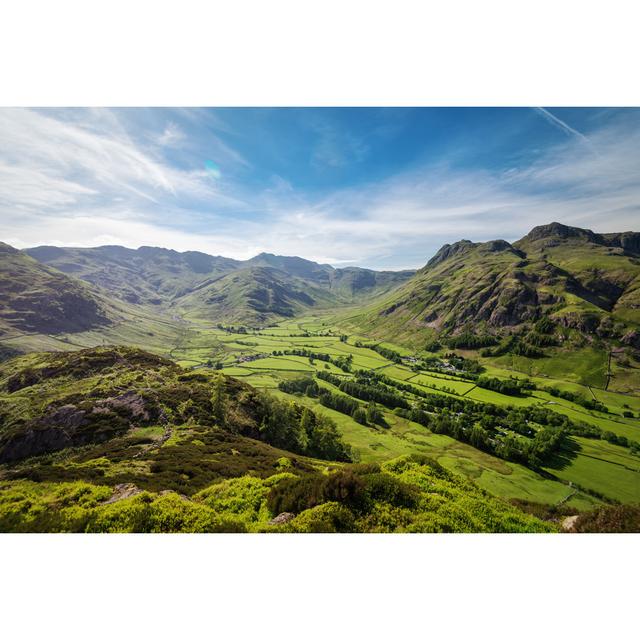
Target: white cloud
<point>97,156</point>
<point>171,136</point>
<point>83,181</point>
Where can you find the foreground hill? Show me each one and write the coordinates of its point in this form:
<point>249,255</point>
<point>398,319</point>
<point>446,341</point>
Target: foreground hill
<point>37,298</point>
<point>262,289</point>
<point>116,439</point>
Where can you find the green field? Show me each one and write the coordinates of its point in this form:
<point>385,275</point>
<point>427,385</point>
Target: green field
<point>597,468</point>
<point>579,484</point>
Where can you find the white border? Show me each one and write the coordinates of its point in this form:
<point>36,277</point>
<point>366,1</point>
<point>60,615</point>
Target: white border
<point>334,52</point>
<point>290,52</point>
<point>319,586</point>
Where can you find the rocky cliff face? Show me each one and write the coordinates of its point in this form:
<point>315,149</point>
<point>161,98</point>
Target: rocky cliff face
<point>585,281</point>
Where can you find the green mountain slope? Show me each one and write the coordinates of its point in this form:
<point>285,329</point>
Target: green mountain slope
<point>146,275</point>
<point>604,270</point>
<point>254,291</point>
<point>253,296</point>
<point>36,298</point>
<point>577,279</point>
<point>348,283</point>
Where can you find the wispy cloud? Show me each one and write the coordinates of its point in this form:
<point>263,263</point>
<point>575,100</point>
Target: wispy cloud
<point>82,179</point>
<point>171,135</point>
<point>95,157</point>
<point>560,124</point>
<point>335,147</point>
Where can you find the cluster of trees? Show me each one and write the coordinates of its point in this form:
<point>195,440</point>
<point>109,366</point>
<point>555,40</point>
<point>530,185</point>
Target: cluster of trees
<point>516,346</point>
<point>338,402</point>
<point>530,346</point>
<point>468,367</point>
<point>621,441</point>
<point>348,406</point>
<point>492,433</point>
<point>300,430</point>
<point>240,329</point>
<point>523,348</point>
<point>366,391</point>
<point>540,340</point>
<point>373,378</point>
<point>385,352</point>
<point>587,403</point>
<point>545,325</point>
<point>286,425</point>
<point>469,340</point>
<point>305,386</point>
<point>508,386</point>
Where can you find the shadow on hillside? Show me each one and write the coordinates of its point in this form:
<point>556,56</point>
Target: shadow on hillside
<point>562,458</point>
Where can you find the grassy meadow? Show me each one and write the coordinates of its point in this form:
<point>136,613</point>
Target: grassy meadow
<point>597,470</point>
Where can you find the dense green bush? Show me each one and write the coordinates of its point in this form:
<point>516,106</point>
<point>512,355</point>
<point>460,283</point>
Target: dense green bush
<point>471,341</point>
<point>507,386</point>
<point>412,493</point>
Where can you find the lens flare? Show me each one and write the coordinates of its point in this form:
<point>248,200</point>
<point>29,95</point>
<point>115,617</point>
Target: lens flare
<point>212,169</point>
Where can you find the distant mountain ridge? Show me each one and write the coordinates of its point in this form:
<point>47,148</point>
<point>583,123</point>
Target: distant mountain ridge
<point>582,280</point>
<point>264,288</point>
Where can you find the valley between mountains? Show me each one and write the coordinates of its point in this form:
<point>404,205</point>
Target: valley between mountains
<point>495,389</point>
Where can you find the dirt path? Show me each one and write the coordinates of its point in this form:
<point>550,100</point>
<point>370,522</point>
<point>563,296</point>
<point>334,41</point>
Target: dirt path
<point>569,523</point>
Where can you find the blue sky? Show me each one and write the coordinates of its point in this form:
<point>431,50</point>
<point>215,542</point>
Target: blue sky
<point>381,188</point>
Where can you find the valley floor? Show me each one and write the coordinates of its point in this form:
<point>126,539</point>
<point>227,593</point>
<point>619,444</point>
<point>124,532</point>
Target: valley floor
<point>594,472</point>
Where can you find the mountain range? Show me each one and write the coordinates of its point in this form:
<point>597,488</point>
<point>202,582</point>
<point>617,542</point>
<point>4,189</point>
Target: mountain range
<point>256,291</point>
<point>578,280</point>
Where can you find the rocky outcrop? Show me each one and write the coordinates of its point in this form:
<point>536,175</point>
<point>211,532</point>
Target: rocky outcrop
<point>122,491</point>
<point>73,425</point>
<point>282,518</point>
<point>628,240</point>
<point>557,231</point>
<point>632,339</point>
<point>448,250</point>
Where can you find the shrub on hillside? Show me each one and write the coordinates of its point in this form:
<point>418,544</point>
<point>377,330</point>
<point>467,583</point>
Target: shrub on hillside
<point>610,519</point>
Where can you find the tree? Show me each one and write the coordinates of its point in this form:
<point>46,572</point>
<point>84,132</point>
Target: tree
<point>479,437</point>
<point>360,415</point>
<point>218,400</point>
<point>306,427</point>
<point>373,413</point>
